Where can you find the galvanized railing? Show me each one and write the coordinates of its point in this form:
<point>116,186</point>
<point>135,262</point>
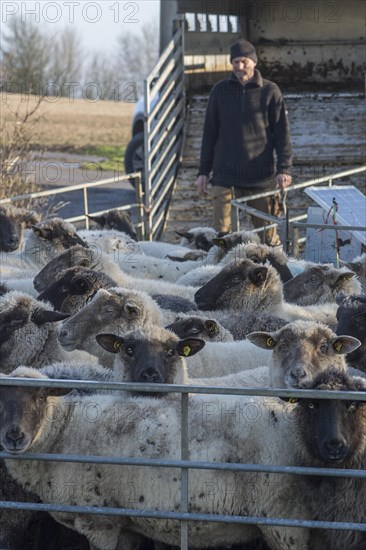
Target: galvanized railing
<point>289,226</point>
<point>164,111</point>
<point>184,516</point>
<point>138,205</point>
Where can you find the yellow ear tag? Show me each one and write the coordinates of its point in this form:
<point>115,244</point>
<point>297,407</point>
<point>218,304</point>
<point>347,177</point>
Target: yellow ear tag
<point>186,350</point>
<point>350,276</point>
<point>270,342</point>
<point>117,345</point>
<point>338,346</point>
<point>38,233</point>
<point>293,400</point>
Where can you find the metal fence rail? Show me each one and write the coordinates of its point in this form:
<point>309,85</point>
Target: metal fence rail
<point>184,516</point>
<point>289,236</point>
<point>138,205</point>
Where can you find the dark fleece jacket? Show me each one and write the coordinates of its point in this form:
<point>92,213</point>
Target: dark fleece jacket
<point>243,127</point>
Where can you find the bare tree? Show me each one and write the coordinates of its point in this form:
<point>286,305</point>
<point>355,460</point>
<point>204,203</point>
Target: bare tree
<point>100,80</point>
<point>25,56</point>
<point>136,54</point>
<point>66,63</point>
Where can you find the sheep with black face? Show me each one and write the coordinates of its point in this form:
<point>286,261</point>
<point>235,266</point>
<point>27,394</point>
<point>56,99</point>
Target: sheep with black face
<point>13,221</point>
<point>332,434</point>
<point>244,286</point>
<point>320,284</point>
<point>351,317</point>
<point>77,287</point>
<point>154,355</point>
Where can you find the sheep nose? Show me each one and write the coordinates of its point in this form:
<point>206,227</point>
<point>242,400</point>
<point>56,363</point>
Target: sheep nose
<point>299,372</point>
<point>12,243</point>
<point>14,239</point>
<point>149,375</point>
<point>64,333</point>
<point>15,436</point>
<point>335,445</point>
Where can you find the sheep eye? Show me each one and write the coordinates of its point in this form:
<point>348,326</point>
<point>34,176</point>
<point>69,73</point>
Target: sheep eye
<point>80,285</point>
<point>313,279</point>
<point>16,322</point>
<point>311,406</point>
<point>170,352</point>
<point>129,350</point>
<point>352,407</point>
<point>324,348</point>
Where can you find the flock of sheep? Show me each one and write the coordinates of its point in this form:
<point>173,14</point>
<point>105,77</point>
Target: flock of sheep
<point>215,310</point>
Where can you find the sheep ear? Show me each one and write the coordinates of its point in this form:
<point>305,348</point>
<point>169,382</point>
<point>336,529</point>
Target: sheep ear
<point>84,262</point>
<point>133,310</point>
<point>265,340</point>
<point>345,344</point>
<point>110,342</point>
<point>211,327</point>
<point>98,219</point>
<point>185,235</point>
<point>190,346</point>
<point>345,276</point>
<point>29,218</point>
<point>41,316</point>
<point>258,275</point>
<point>221,243</point>
<point>39,231</point>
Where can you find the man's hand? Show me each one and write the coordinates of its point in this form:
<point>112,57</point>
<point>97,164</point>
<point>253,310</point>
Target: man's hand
<point>282,181</point>
<point>201,184</point>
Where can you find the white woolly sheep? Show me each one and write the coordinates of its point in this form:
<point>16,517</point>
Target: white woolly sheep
<point>117,310</point>
<point>28,333</point>
<point>246,287</point>
<point>152,355</point>
<point>258,253</point>
<point>102,262</point>
<point>301,350</point>
<point>143,428</point>
<point>319,284</point>
<point>120,220</point>
<point>44,242</point>
<point>198,237</point>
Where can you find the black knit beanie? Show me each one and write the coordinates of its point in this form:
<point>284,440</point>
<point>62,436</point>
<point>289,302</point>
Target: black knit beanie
<point>243,48</point>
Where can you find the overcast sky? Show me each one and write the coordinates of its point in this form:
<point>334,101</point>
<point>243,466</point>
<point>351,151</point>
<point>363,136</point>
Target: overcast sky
<point>99,22</point>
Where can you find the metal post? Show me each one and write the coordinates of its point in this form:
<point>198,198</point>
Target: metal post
<point>86,209</point>
<point>295,242</point>
<point>184,475</point>
<point>140,209</point>
<point>147,160</point>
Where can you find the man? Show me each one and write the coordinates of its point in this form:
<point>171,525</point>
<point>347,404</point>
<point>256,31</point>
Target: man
<point>246,121</point>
